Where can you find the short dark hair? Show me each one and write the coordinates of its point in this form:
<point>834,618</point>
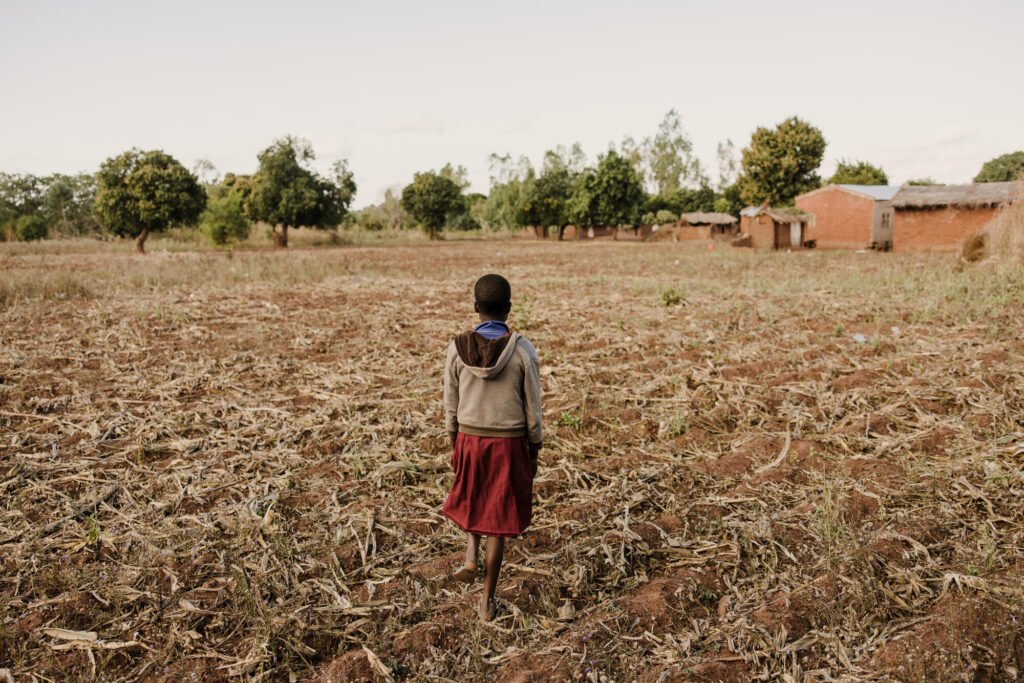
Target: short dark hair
<point>493,294</point>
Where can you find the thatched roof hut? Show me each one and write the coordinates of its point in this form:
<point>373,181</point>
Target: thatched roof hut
<point>704,218</point>
<point>972,196</point>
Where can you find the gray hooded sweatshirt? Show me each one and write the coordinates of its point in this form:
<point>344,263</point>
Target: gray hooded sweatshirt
<point>492,387</point>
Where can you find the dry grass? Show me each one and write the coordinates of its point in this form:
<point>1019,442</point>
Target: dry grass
<point>1005,235</point>
<point>230,466</point>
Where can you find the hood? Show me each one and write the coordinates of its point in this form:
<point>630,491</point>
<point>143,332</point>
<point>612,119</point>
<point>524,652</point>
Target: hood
<point>485,358</point>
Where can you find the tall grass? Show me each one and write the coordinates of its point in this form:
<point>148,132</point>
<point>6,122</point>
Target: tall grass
<point>1005,234</point>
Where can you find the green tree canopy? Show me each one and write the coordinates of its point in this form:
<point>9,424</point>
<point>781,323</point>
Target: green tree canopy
<point>668,160</point>
<point>387,215</point>
<point>286,192</point>
<point>430,198</point>
<point>142,192</point>
<point>508,204</point>
<point>1002,169</point>
<point>30,227</point>
<point>550,197</point>
<point>611,194</point>
<point>858,173</point>
<point>20,195</point>
<point>923,181</point>
<point>225,221</point>
<point>69,204</point>
<point>782,162</point>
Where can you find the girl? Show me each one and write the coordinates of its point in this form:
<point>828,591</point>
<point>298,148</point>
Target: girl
<point>493,415</point>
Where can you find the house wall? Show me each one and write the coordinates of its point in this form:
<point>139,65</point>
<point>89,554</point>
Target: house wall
<point>761,230</point>
<point>941,229</point>
<point>691,232</point>
<point>842,220</point>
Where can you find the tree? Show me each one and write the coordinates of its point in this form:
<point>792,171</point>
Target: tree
<point>858,173</point>
<point>224,219</point>
<point>609,195</point>
<point>430,198</point>
<point>508,203</point>
<point>572,159</point>
<point>287,193</point>
<point>728,165</point>
<point>206,172</point>
<point>20,195</point>
<point>668,157</point>
<point>550,198</point>
<point>68,204</point>
<point>457,174</point>
<point>923,181</point>
<point>388,215</point>
<point>660,217</point>
<point>683,200</point>
<point>728,200</point>
<point>782,162</point>
<point>142,192</point>
<point>1002,169</point>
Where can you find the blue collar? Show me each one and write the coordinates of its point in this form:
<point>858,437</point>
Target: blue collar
<point>491,329</point>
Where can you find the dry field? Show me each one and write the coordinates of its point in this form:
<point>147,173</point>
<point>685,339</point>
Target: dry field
<point>800,467</point>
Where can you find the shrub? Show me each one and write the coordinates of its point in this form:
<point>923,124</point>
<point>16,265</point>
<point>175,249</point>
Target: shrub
<point>224,219</point>
<point>30,228</point>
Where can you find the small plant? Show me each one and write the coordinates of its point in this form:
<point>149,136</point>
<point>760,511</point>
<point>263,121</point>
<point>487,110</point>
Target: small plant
<point>93,532</point>
<point>570,419</point>
<point>676,426</point>
<point>522,313</point>
<point>673,297</point>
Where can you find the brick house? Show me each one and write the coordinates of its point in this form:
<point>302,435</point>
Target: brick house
<point>764,227</point>
<point>942,217</point>
<point>850,216</point>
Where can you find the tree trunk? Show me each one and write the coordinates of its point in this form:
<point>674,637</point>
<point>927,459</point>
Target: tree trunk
<point>433,234</point>
<point>280,237</point>
<point>140,241</point>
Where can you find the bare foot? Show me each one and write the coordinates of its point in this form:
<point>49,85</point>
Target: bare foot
<point>489,610</point>
<point>466,574</point>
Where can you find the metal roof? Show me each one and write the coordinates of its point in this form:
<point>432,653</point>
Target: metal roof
<point>881,193</point>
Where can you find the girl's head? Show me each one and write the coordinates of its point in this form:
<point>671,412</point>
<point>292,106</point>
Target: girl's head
<point>493,296</point>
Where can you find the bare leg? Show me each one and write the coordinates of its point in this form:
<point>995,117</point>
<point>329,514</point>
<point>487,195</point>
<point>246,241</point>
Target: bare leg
<point>472,549</point>
<point>467,573</point>
<point>492,564</point>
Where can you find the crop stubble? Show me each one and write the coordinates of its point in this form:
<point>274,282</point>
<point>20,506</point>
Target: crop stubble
<point>224,466</point>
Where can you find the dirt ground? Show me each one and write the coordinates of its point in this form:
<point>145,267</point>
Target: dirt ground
<point>801,467</point>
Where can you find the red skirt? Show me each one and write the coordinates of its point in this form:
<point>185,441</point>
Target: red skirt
<point>492,494</point>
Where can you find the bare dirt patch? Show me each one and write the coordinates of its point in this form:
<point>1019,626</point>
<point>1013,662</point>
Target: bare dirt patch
<point>232,468</point>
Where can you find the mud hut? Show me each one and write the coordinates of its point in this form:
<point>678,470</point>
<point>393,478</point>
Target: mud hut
<point>765,227</point>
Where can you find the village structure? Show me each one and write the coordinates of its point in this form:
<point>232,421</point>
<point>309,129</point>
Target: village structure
<point>925,218</point>
<point>907,218</point>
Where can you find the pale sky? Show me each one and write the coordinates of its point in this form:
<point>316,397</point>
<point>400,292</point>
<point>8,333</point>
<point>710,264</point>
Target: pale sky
<point>921,88</point>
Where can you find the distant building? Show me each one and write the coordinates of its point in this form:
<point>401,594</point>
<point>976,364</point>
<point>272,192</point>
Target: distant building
<point>907,218</point>
<point>706,225</point>
<point>764,227</point>
<point>850,216</point>
<point>942,217</point>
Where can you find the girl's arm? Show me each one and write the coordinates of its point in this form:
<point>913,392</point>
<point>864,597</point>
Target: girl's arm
<point>451,393</point>
<point>531,401</point>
